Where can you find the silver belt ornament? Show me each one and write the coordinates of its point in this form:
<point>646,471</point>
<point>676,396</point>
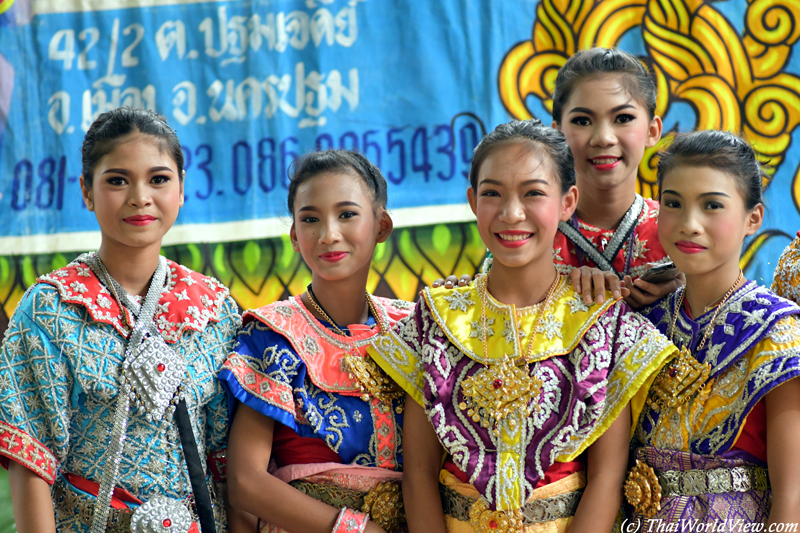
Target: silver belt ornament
<point>152,374</point>
<point>161,515</point>
<point>714,481</point>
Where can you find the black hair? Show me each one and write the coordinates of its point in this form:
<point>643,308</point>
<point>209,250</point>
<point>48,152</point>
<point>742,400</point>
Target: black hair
<point>312,164</point>
<point>548,140</point>
<point>720,150</point>
<point>107,131</point>
<point>634,77</point>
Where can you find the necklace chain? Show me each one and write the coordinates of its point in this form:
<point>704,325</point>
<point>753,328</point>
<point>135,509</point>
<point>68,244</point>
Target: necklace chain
<point>710,326</point>
<point>318,308</point>
<point>545,305</point>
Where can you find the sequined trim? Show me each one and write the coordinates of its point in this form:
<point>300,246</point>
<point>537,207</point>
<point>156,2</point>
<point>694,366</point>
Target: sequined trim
<point>260,385</point>
<point>27,451</point>
<point>317,346</point>
<point>386,433</point>
<point>453,309</point>
<point>189,300</point>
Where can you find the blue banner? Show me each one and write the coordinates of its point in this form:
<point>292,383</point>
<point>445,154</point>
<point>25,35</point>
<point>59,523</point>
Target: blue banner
<point>249,86</point>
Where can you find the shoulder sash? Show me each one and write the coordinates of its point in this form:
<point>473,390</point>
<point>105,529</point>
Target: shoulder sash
<point>605,259</point>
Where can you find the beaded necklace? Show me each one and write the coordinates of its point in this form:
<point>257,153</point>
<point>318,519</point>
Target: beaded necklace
<point>372,381</point>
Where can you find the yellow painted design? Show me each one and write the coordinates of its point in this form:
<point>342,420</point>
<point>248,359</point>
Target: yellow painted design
<point>735,82</point>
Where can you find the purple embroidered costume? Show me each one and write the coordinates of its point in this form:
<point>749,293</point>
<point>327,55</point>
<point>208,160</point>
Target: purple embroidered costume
<point>753,348</point>
<point>586,364</point>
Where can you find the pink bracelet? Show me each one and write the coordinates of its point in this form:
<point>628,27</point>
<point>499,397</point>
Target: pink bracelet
<point>350,521</point>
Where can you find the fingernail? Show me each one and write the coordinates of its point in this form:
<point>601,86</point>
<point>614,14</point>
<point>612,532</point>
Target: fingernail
<point>601,298</point>
<point>616,294</point>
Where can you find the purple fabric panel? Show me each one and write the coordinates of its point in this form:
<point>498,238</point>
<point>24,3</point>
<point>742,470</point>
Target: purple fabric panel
<point>728,512</point>
<point>571,404</point>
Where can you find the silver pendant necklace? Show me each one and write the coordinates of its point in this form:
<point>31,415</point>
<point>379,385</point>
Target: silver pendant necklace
<point>152,374</point>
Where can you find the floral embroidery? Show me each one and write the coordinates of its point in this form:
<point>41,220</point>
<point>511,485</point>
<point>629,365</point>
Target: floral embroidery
<point>460,299</point>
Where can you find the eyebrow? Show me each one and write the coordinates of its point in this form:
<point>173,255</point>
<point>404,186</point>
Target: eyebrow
<point>126,172</point>
<point>588,111</point>
<point>675,193</point>
<point>491,181</point>
<point>339,204</point>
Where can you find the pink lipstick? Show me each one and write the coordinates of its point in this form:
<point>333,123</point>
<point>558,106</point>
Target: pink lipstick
<point>608,162</point>
<point>689,247</point>
<point>333,257</point>
<point>140,220</point>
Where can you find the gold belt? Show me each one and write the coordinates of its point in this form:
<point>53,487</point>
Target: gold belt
<point>644,488</point>
<point>536,511</point>
<point>384,502</point>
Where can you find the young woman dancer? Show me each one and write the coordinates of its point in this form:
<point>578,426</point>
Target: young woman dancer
<point>99,354</point>
<point>604,103</point>
<point>523,385</point>
<point>306,395</point>
<point>727,407</point>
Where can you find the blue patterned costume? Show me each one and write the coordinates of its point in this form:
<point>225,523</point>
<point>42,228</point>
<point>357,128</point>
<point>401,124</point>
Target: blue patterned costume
<point>59,382</point>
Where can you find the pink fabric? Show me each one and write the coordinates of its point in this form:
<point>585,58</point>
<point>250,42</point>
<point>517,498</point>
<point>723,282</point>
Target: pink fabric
<point>291,472</point>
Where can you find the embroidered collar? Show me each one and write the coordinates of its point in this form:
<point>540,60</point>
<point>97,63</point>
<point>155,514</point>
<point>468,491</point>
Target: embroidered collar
<point>321,349</point>
<point>189,300</point>
<point>458,312</point>
<point>605,259</point>
<point>747,317</point>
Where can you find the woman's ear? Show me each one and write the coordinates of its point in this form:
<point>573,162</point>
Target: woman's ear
<point>385,226</point>
<point>86,192</point>
<point>654,132</point>
<point>473,201</point>
<point>569,201</point>
<point>754,220</point>
<point>293,238</point>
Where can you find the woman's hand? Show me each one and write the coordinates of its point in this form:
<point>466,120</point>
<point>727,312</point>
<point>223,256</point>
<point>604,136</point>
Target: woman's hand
<point>642,293</point>
<point>591,283</point>
<point>452,281</point>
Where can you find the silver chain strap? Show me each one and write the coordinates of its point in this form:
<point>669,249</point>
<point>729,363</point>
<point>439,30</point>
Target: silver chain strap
<point>143,324</point>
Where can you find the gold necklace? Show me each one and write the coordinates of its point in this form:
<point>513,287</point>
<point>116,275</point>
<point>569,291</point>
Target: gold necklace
<point>678,382</point>
<point>372,380</point>
<point>504,387</point>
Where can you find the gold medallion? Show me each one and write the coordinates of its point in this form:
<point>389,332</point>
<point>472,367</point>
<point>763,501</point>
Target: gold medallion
<point>384,504</point>
<point>497,391</point>
<point>484,520</point>
<point>642,490</point>
<point>678,382</point>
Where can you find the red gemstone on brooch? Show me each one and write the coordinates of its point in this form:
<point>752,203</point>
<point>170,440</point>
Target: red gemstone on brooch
<point>493,524</point>
<point>161,367</point>
<point>497,383</point>
<point>673,372</point>
<point>167,522</point>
